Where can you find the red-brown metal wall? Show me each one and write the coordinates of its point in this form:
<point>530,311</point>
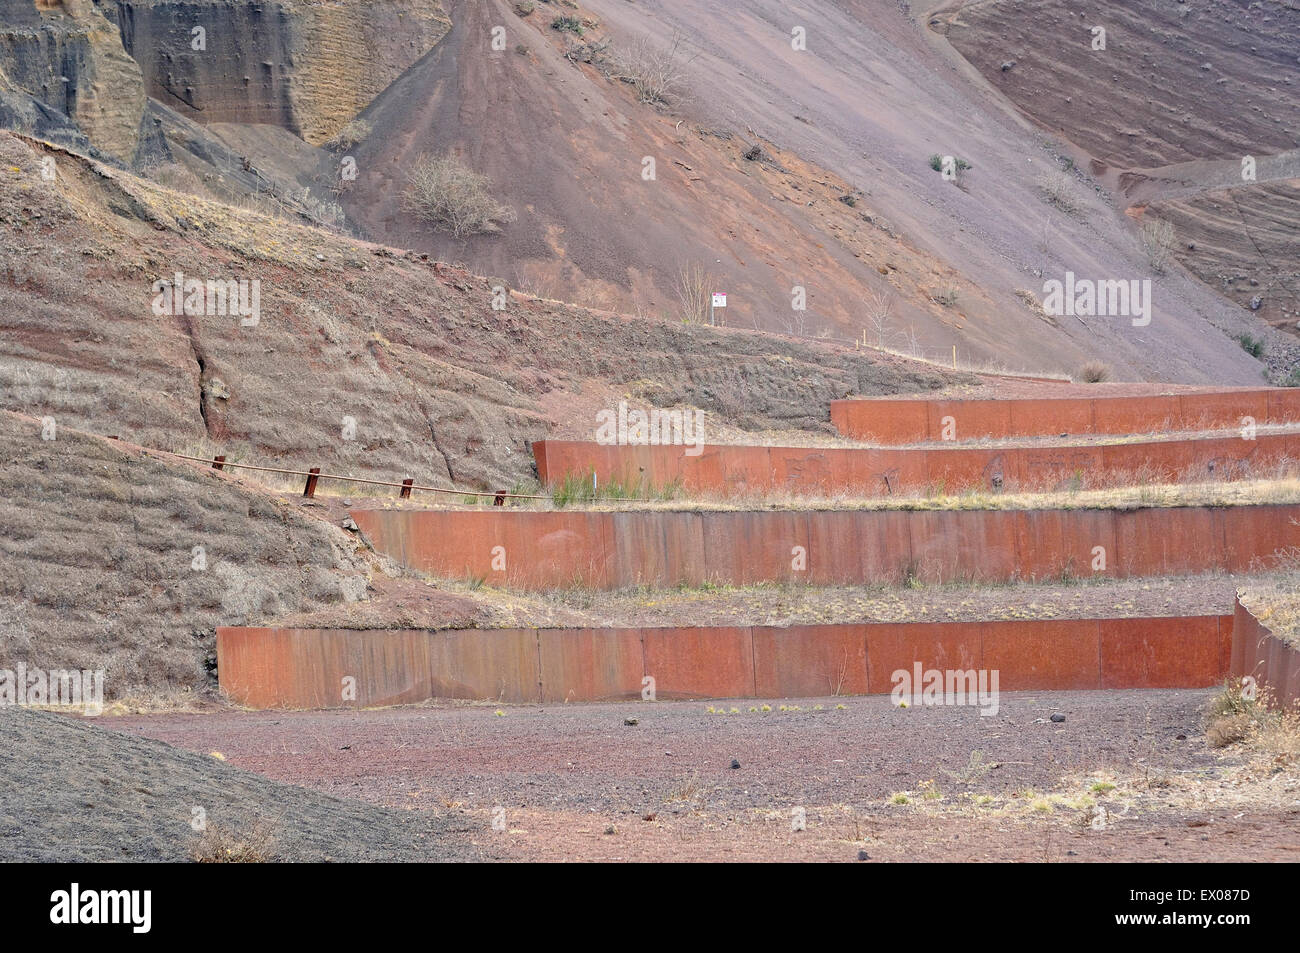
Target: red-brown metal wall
<point>732,470</point>
<point>303,668</point>
<point>891,420</point>
<point>1257,652</point>
<point>606,550</point>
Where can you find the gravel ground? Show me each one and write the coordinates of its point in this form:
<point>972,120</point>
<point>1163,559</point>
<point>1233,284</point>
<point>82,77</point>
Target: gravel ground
<point>71,791</point>
<point>577,782</point>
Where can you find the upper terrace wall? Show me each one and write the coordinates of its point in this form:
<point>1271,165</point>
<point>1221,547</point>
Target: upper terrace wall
<point>886,471</point>
<point>892,421</point>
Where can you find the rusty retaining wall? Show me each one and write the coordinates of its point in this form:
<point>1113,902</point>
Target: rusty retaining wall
<point>891,420</point>
<point>1274,664</point>
<point>613,550</point>
<point>737,470</point>
<point>307,668</point>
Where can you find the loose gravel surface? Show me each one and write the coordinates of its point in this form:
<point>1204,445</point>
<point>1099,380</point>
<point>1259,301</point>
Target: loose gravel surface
<point>578,782</point>
<point>71,791</point>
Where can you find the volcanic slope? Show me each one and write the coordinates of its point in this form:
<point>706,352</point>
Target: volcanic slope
<point>855,117</point>
<point>1190,111</point>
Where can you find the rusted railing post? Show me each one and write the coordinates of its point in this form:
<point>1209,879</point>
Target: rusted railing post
<point>406,488</point>
<point>218,461</point>
<point>310,488</point>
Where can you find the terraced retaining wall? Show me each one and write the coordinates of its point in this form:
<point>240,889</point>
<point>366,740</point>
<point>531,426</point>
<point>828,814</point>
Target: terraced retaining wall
<point>896,420</point>
<point>885,471</point>
<point>613,550</point>
<point>1273,663</point>
<point>304,668</point>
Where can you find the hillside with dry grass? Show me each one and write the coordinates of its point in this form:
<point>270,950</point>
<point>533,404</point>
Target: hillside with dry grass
<point>116,561</point>
<point>436,383</point>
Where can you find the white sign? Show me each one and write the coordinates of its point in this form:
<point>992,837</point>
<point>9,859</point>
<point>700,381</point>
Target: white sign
<point>719,299</point>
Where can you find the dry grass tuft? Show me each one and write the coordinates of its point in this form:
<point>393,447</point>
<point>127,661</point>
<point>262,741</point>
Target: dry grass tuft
<point>221,845</point>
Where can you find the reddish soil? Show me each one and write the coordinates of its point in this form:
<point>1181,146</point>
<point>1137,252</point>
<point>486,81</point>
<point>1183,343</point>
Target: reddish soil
<point>577,783</point>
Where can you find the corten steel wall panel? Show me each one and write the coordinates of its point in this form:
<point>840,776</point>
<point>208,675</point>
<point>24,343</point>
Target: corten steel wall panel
<point>700,663</point>
<point>485,664</point>
<point>1160,653</point>
<point>951,470</point>
<point>1126,415</point>
<point>1215,411</point>
<point>737,470</point>
<point>809,661</point>
<point>305,668</point>
<point>748,470</point>
<point>865,546</point>
<point>1256,535</point>
<point>841,550</point>
<point>1279,659</point>
<point>252,664</point>
<point>390,668</point>
<point>1049,467</point>
<point>885,421</point>
<point>1283,404</point>
<point>1054,416</point>
<point>806,469</point>
<point>1164,541</point>
<point>972,419</point>
<point>937,645</point>
<point>1060,543</point>
<point>1247,634</point>
<point>590,664</point>
<point>1225,644</point>
<point>952,545</point>
<point>745,547</point>
<point>659,549</point>
<point>1046,654</point>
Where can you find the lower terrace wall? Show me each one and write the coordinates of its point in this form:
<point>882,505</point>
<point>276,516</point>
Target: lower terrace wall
<point>307,668</point>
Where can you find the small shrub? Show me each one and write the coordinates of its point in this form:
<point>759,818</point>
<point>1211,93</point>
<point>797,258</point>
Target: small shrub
<point>453,197</point>
<point>1094,372</point>
<point>567,25</point>
<point>220,845</point>
<point>960,167</point>
<point>1228,730</point>
<point>1058,190</point>
<point>353,132</point>
<point>1252,346</point>
<point>1158,239</point>
<point>947,297</point>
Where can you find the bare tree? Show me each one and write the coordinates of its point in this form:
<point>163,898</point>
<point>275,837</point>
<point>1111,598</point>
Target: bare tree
<point>657,73</point>
<point>694,289</point>
<point>452,196</point>
<point>880,304</point>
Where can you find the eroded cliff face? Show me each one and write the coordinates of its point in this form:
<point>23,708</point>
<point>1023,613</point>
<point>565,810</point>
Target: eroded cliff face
<point>308,67</point>
<point>67,55</point>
